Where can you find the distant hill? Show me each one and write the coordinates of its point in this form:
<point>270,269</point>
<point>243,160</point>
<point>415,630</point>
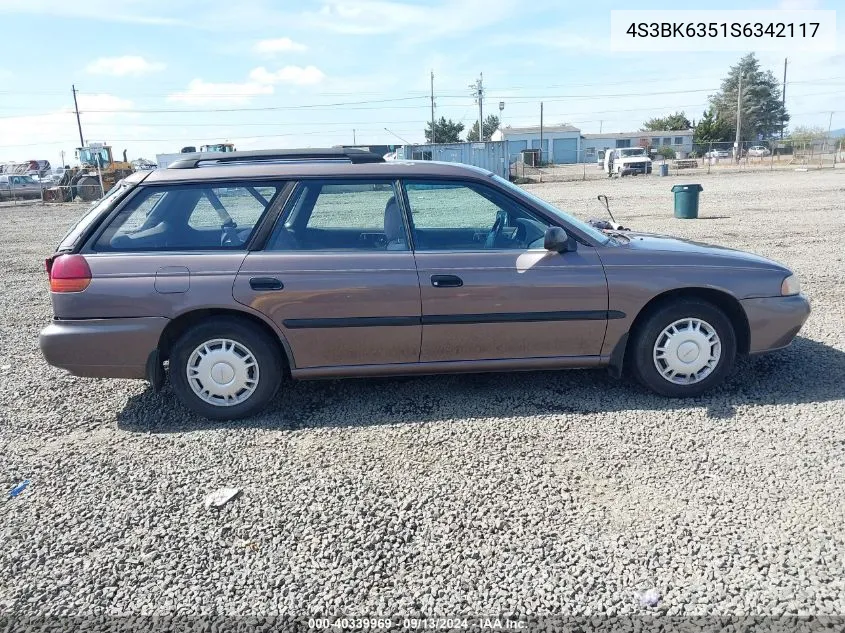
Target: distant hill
<point>837,133</point>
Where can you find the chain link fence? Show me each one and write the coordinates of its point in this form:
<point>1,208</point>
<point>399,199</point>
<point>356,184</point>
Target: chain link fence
<point>705,158</point>
<point>12,194</point>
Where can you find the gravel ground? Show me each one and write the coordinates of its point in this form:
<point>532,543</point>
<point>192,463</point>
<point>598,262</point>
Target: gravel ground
<point>549,493</point>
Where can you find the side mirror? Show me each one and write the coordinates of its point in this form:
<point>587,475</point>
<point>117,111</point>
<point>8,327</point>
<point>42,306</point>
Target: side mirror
<point>559,241</point>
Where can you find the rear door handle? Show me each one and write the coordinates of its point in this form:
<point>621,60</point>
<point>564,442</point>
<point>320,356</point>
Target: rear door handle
<point>446,281</point>
<point>265,283</point>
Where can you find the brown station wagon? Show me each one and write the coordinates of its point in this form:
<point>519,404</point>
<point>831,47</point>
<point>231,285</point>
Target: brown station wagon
<point>235,271</point>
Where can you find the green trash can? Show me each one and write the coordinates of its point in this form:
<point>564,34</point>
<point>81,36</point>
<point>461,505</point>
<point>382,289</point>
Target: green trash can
<point>686,201</point>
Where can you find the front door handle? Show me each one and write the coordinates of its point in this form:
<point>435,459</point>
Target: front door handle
<point>265,283</point>
<point>446,281</point>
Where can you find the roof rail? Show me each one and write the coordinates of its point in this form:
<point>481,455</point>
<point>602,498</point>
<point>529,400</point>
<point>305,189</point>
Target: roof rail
<point>352,155</point>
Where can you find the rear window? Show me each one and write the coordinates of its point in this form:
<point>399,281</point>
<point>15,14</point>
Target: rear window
<point>99,208</point>
<point>195,217</point>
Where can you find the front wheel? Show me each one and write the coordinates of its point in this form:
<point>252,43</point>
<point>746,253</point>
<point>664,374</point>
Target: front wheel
<point>224,369</point>
<point>683,348</point>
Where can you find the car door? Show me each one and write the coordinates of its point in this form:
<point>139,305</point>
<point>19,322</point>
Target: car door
<point>337,276</point>
<point>489,289</point>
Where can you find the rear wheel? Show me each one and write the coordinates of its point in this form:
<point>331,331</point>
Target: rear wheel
<point>88,188</point>
<point>225,369</point>
<point>684,348</point>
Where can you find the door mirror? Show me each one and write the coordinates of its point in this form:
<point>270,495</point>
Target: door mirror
<point>559,241</point>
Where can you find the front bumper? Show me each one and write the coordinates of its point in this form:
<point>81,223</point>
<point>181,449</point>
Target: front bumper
<point>774,321</point>
<point>102,348</point>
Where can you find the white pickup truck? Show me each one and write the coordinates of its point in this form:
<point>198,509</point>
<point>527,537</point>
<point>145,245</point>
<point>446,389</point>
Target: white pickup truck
<point>623,161</point>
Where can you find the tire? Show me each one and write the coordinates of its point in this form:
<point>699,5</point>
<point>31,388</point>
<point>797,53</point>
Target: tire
<point>229,340</point>
<point>88,188</point>
<point>685,350</point>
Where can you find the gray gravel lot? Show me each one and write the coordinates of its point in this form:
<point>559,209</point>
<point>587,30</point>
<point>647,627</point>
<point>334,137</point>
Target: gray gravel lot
<point>564,492</point>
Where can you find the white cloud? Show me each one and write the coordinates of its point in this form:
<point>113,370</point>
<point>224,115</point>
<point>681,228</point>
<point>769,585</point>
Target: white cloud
<point>295,75</point>
<point>103,116</point>
<point>278,45</point>
<point>260,82</point>
<point>373,17</point>
<point>200,91</point>
<point>122,66</point>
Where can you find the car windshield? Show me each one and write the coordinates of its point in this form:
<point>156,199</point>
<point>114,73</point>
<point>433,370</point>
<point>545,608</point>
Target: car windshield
<point>88,156</point>
<point>594,233</point>
<point>633,151</point>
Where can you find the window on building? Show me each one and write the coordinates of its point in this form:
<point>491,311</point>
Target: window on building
<point>667,141</point>
<point>655,141</point>
<point>623,142</point>
<point>421,156</point>
<point>679,140</point>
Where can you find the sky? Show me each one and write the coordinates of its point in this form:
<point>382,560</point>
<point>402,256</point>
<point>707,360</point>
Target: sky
<point>154,76</point>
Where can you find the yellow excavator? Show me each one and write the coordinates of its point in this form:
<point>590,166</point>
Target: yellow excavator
<point>96,163</point>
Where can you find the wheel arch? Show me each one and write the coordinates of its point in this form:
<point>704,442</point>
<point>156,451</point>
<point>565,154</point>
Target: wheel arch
<point>186,320</point>
<point>725,301</point>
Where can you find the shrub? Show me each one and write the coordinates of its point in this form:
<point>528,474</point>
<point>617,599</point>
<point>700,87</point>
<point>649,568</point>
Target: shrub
<point>666,152</point>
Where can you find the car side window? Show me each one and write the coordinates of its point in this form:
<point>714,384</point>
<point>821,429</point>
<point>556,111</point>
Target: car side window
<point>337,215</point>
<point>194,217</point>
<point>469,216</point>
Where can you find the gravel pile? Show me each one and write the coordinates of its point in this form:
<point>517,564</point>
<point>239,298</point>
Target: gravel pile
<point>544,493</point>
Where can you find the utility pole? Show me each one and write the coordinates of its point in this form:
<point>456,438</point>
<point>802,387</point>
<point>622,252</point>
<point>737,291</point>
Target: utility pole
<point>827,139</point>
<point>601,123</point>
<point>433,134</point>
<point>541,131</point>
<point>738,115</point>
<point>478,92</point>
<point>783,103</point>
<point>354,142</point>
<point>78,123</point>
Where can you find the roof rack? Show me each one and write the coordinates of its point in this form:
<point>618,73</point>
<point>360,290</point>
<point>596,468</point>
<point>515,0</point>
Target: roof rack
<point>352,155</point>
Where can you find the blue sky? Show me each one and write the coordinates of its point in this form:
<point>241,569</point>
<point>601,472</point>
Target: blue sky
<point>157,75</point>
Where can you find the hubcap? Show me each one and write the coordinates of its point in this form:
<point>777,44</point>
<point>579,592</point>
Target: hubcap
<point>687,351</point>
<point>222,372</point>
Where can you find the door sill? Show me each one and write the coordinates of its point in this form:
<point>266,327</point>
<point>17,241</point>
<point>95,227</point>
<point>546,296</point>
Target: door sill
<point>451,367</point>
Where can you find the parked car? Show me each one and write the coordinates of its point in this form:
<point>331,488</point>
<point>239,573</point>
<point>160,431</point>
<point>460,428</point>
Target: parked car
<point>759,151</point>
<point>335,263</point>
<point>18,186</point>
<point>718,153</point>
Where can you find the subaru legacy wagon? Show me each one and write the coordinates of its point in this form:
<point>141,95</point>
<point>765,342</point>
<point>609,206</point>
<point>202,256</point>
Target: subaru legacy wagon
<point>229,273</point>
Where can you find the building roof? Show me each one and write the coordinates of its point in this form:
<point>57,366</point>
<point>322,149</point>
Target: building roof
<point>641,134</point>
<point>532,129</point>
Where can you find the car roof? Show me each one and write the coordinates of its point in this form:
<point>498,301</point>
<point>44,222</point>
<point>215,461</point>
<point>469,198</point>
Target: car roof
<point>317,169</point>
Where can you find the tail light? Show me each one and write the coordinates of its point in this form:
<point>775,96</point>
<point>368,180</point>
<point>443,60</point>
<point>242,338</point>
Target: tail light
<point>68,273</point>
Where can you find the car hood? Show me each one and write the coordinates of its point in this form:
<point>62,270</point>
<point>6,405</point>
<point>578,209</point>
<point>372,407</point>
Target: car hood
<point>652,242</point>
<point>633,159</point>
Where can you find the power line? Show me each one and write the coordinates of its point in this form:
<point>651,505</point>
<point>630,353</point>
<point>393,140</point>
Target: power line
<point>410,93</point>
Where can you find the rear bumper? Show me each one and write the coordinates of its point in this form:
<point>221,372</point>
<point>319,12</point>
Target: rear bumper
<point>774,321</point>
<point>102,348</point>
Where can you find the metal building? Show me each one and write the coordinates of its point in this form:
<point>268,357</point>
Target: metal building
<point>491,155</point>
<point>561,144</point>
